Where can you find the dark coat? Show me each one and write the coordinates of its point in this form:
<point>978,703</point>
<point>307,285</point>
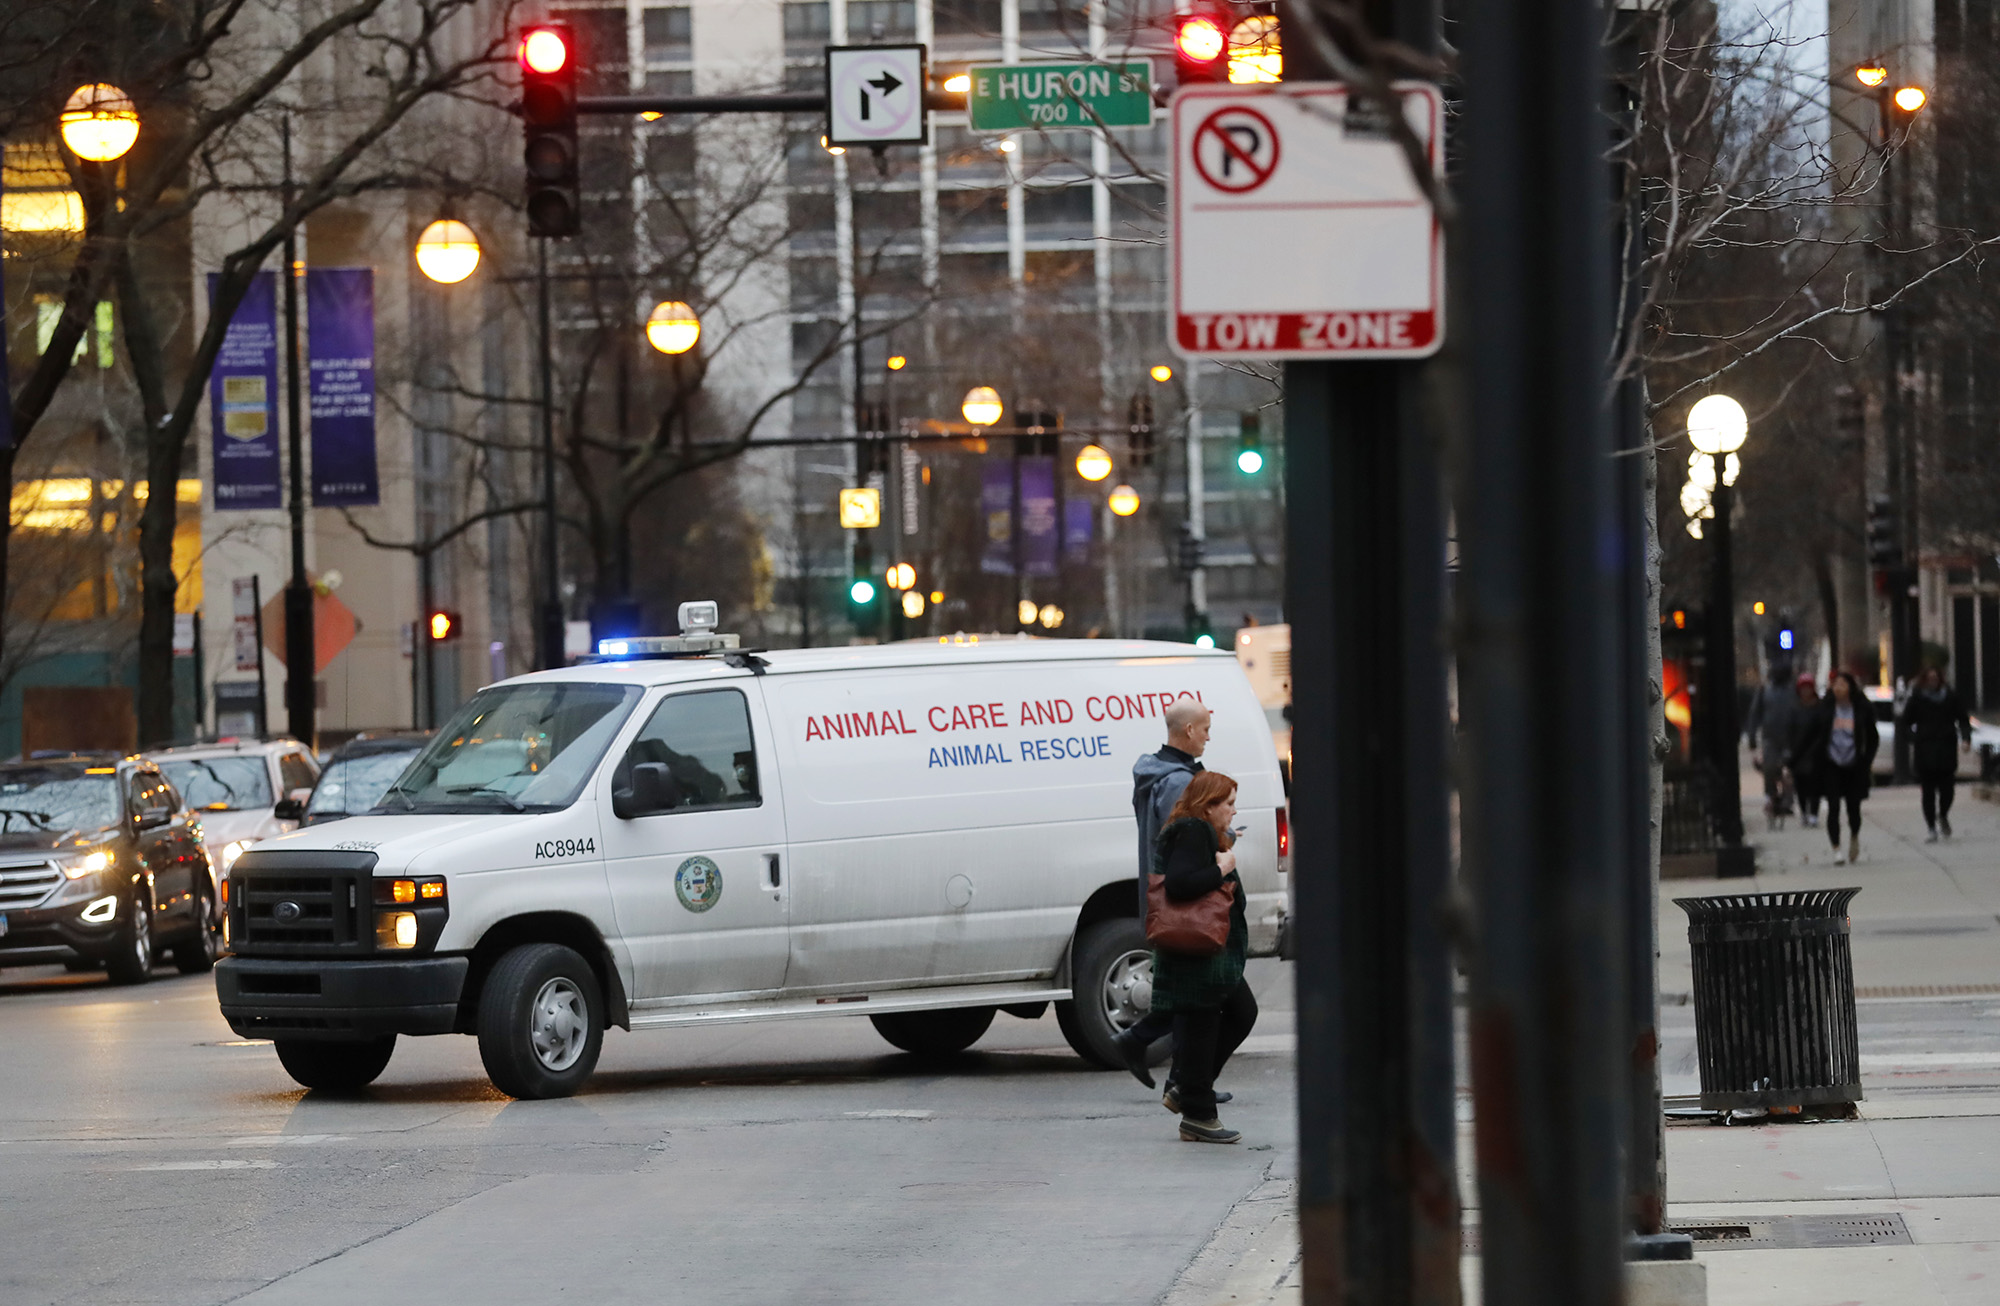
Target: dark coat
<point>1936,726</point>
<point>1809,756</point>
<point>1158,780</point>
<point>1181,982</point>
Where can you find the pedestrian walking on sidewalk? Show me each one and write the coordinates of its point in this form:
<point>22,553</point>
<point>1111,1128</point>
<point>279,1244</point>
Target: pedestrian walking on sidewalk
<point>1841,744</point>
<point>1158,780</point>
<point>1769,727</point>
<point>1805,772</point>
<point>1939,731</point>
<point>1210,1001</point>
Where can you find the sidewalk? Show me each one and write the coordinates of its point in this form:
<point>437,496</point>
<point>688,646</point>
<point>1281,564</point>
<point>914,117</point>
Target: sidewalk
<point>1925,1151</point>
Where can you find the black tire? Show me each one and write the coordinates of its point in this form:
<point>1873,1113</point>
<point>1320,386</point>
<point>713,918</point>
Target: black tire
<point>541,1022</point>
<point>132,961</point>
<point>343,1066</point>
<point>934,1033</point>
<point>195,954</point>
<point>1113,989</point>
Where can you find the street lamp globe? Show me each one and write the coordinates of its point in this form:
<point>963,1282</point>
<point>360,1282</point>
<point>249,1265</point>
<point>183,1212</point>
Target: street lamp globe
<point>673,327</point>
<point>1162,373</point>
<point>1093,464</point>
<point>1871,75</point>
<point>99,122</point>
<point>447,251</point>
<point>982,406</point>
<point>1910,98</point>
<point>913,604</point>
<point>1124,501</point>
<point>1717,424</point>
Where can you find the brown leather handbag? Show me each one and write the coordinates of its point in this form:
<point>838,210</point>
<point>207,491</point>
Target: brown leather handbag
<point>1198,927</point>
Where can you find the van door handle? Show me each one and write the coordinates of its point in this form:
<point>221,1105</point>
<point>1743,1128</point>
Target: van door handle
<point>771,868</point>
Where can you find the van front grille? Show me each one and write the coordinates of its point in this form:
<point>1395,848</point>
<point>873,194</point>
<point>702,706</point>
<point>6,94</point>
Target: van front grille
<point>289,912</point>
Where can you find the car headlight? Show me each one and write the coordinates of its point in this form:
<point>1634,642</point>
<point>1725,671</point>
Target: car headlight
<point>78,866</point>
<point>231,851</point>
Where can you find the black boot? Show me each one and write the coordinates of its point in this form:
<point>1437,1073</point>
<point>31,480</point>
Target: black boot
<point>1133,1053</point>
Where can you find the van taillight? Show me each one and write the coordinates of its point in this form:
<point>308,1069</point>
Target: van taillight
<point>1284,833</point>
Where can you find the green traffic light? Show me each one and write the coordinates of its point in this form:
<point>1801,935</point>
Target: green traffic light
<point>862,591</point>
<point>1250,462</point>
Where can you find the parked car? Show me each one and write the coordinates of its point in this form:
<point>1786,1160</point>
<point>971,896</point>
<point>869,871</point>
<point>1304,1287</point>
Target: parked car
<point>359,772</point>
<point>244,789</point>
<point>101,863</point>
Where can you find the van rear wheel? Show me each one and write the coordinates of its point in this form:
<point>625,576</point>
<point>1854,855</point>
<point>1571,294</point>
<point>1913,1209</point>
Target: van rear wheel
<point>934,1033</point>
<point>1111,974</point>
<point>343,1066</point>
<point>541,1022</point>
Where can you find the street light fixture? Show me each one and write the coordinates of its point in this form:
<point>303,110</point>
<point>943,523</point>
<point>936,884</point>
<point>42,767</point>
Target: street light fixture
<point>1162,373</point>
<point>1910,98</point>
<point>1124,501</point>
<point>673,327</point>
<point>897,362</point>
<point>1717,427</point>
<point>99,122</point>
<point>1871,75</point>
<point>1094,463</point>
<point>913,604</point>
<point>447,251</point>
<point>982,406</point>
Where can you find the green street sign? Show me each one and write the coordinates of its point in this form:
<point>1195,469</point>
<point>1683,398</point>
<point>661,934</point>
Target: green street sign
<point>1011,97</point>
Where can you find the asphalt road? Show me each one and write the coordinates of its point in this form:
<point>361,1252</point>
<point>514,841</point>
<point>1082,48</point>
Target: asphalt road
<point>149,1156</point>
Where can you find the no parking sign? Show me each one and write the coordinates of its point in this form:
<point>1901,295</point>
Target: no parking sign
<point>1297,229</point>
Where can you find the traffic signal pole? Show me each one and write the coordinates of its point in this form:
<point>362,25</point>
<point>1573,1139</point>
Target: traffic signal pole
<point>1542,606</point>
<point>1371,862</point>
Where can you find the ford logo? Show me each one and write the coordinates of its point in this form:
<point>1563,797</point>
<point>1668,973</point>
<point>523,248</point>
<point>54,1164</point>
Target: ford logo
<point>285,913</point>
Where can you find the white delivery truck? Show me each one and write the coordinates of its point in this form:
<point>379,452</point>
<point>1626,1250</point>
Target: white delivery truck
<point>682,833</point>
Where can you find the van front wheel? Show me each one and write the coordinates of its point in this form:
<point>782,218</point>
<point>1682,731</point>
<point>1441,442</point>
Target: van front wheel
<point>1111,974</point>
<point>934,1033</point>
<point>541,1022</point>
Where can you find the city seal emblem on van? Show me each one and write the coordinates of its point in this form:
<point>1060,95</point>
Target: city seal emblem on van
<point>698,884</point>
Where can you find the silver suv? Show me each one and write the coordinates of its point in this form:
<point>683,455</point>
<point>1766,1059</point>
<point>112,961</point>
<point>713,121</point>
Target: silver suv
<point>244,790</point>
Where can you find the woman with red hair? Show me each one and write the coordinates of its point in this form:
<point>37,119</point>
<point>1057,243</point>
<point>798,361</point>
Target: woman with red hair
<point>1212,1006</point>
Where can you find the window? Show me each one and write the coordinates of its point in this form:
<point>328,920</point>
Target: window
<point>669,33</point>
<point>296,771</point>
<point>222,784</point>
<point>704,740</point>
<point>57,798</point>
<point>806,27</point>
<point>515,748</point>
<point>873,18</point>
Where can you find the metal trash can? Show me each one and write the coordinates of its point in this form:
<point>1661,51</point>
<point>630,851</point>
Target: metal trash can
<point>1774,999</point>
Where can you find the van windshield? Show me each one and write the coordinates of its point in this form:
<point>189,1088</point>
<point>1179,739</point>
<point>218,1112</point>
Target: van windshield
<point>515,748</point>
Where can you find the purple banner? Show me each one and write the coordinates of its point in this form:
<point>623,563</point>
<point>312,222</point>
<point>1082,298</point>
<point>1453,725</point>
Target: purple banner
<point>340,316</point>
<point>1039,535</point>
<point>996,504</point>
<point>1077,520</point>
<point>243,401</point>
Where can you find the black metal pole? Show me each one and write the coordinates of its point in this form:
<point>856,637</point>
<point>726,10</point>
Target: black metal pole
<point>1539,666</point>
<point>1645,1167</point>
<point>1378,1198</point>
<point>257,629</point>
<point>1905,647</point>
<point>1722,669</point>
<point>425,650</point>
<point>549,629</point>
<point>300,707</point>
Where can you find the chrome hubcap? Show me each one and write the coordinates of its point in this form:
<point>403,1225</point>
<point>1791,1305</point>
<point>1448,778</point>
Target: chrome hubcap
<point>557,1023</point>
<point>1128,989</point>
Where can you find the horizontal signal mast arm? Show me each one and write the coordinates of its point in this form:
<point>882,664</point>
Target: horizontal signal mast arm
<point>774,102</point>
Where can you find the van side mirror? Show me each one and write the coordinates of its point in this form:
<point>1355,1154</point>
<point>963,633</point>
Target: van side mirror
<point>289,809</point>
<point>152,818</point>
<point>654,789</point>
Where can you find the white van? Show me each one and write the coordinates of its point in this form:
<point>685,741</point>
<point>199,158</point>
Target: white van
<point>925,833</point>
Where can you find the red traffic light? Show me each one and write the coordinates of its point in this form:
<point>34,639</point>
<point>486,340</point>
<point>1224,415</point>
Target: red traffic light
<point>544,50</point>
<point>1200,39</point>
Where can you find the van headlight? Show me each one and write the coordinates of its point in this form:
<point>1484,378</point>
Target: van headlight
<point>231,851</point>
<point>78,865</point>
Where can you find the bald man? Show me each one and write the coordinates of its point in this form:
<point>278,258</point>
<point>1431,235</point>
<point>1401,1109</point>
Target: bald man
<point>1158,780</point>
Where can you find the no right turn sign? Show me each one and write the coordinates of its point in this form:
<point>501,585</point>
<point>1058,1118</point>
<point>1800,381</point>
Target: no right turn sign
<point>1297,229</point>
